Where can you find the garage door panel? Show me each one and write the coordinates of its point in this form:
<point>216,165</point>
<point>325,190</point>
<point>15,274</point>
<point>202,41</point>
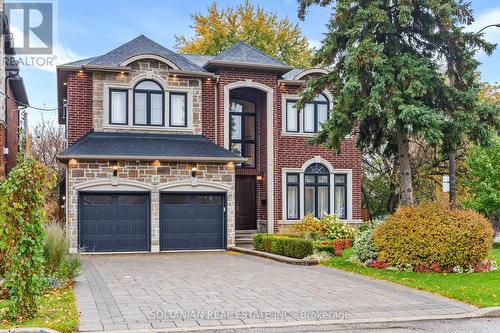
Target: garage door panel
<point>191,221</point>
<point>110,222</point>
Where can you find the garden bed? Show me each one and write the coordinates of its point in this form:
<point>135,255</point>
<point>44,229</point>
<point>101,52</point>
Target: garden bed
<point>57,310</point>
<point>480,289</point>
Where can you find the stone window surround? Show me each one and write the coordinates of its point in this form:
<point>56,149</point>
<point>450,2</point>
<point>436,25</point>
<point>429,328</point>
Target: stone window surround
<point>130,88</point>
<point>301,133</point>
<point>300,172</point>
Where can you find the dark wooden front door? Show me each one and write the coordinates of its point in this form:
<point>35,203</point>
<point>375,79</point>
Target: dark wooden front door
<point>246,212</point>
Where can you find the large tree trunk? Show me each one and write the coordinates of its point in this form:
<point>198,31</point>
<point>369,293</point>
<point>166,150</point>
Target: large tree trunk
<point>405,168</point>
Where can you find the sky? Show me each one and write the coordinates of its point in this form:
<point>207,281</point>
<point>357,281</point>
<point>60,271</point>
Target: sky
<point>87,28</point>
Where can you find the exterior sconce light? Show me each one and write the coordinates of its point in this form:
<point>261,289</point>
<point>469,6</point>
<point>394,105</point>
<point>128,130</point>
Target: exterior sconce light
<point>72,163</point>
<point>80,71</point>
<point>115,171</point>
<point>193,171</point>
<point>230,165</point>
<point>156,163</point>
<point>259,177</point>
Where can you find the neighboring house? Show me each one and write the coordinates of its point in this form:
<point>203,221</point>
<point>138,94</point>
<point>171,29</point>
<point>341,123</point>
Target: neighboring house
<point>171,151</point>
<point>12,97</point>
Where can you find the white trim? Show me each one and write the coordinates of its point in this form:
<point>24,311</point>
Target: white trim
<point>113,184</point>
<point>300,133</point>
<point>130,60</point>
<point>310,71</point>
<point>193,185</point>
<point>167,89</point>
<point>333,172</point>
<point>270,138</point>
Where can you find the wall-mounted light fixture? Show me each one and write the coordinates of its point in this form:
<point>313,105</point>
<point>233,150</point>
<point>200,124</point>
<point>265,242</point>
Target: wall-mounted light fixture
<point>230,165</point>
<point>115,171</point>
<point>72,163</point>
<point>193,171</point>
<point>259,178</point>
<point>156,163</point>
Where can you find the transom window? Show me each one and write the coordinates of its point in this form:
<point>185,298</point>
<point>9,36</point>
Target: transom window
<point>243,137</point>
<point>314,114</point>
<point>148,104</point>
<point>317,190</point>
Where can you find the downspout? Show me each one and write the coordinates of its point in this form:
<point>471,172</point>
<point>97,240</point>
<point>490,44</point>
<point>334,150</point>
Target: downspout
<point>216,90</point>
<point>6,94</point>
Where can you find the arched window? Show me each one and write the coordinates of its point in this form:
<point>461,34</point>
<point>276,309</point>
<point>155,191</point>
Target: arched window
<point>317,190</point>
<point>148,104</point>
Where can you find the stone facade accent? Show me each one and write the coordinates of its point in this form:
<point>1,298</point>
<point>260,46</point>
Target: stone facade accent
<point>142,176</point>
<point>156,71</point>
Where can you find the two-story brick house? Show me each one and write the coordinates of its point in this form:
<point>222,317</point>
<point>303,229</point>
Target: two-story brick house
<point>171,151</point>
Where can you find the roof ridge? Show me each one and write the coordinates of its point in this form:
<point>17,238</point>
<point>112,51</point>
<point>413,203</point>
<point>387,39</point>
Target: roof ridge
<point>117,48</point>
<point>260,51</point>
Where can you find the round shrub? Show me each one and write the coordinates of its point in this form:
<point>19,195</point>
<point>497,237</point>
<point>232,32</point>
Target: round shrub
<point>364,245</point>
<point>434,234</point>
<point>334,228</point>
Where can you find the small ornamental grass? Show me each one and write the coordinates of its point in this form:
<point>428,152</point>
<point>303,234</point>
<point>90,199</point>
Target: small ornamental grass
<point>432,237</point>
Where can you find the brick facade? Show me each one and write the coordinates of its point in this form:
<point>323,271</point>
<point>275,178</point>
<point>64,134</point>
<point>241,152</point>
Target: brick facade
<point>143,176</point>
<point>87,97</point>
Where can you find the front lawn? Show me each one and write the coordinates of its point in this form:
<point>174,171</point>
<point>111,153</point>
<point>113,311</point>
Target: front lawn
<point>480,289</point>
<point>57,311</point>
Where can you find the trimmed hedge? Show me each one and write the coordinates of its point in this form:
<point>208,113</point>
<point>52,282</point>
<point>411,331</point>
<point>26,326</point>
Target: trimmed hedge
<point>292,247</point>
<point>434,234</point>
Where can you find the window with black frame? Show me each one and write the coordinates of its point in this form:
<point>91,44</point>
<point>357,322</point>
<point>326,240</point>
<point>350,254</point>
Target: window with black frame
<point>314,114</point>
<point>340,197</point>
<point>292,196</point>
<point>148,104</point>
<point>317,190</point>
<point>242,134</point>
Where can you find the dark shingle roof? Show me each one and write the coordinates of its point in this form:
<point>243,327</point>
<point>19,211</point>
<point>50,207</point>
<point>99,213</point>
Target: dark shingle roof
<point>292,74</point>
<point>172,147</point>
<point>242,53</point>
<point>137,46</point>
<point>199,59</point>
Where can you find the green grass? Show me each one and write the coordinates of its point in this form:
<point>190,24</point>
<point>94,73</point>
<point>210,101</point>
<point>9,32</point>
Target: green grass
<point>480,289</point>
<point>57,311</point>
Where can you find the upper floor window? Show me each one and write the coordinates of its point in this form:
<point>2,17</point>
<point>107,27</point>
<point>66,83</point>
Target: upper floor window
<point>178,109</point>
<point>242,138</point>
<point>313,115</point>
<point>118,106</point>
<point>148,104</point>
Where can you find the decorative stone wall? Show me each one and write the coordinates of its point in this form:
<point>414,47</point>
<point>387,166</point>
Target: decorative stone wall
<point>146,69</point>
<point>143,176</point>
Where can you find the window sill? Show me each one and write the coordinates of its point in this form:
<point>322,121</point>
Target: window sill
<point>298,134</point>
<point>148,128</point>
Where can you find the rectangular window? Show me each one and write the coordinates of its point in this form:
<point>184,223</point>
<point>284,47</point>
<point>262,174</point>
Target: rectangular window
<point>292,196</point>
<point>242,131</point>
<point>141,113</point>
<point>118,102</point>
<point>178,109</point>
<point>292,117</point>
<point>157,109</point>
<point>340,196</point>
<point>309,200</point>
<point>309,118</point>
<point>322,114</point>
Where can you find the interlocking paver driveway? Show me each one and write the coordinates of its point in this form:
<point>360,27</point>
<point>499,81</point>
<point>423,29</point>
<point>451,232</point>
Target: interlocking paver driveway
<point>155,291</point>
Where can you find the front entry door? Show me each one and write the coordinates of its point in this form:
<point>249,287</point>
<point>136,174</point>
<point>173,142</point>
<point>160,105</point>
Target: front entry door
<point>246,212</point>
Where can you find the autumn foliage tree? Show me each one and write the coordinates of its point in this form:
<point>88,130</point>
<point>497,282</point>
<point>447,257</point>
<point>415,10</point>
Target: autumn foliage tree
<point>219,29</point>
<point>389,82</point>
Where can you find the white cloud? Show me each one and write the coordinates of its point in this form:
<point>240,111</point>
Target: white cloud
<point>492,34</point>
<point>60,55</point>
<point>314,43</point>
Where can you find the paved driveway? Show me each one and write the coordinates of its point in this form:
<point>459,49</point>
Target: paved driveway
<point>161,291</point>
